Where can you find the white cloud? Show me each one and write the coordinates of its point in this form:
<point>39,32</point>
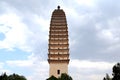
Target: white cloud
<point>29,62</point>
<point>107,35</point>
<point>14,30</point>
<point>18,33</point>
<point>89,3</point>
<point>2,69</point>
<point>78,69</point>
<point>40,71</point>
<point>1,65</point>
<point>110,33</point>
<point>81,64</point>
<point>43,23</point>
<point>84,69</point>
<point>20,63</point>
<point>22,30</point>
<point>39,68</point>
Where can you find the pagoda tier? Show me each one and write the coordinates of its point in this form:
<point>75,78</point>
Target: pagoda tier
<point>58,38</point>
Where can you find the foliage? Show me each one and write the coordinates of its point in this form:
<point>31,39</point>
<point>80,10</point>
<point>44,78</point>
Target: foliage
<point>107,77</point>
<point>65,77</point>
<point>116,72</point>
<point>62,77</point>
<point>4,76</point>
<point>52,78</point>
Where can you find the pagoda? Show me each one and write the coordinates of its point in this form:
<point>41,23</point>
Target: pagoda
<point>58,52</point>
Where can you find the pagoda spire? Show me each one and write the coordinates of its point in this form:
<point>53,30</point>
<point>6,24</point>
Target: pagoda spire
<point>58,7</point>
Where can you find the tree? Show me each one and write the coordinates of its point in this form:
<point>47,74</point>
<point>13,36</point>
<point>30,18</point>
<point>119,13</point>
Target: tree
<point>52,78</point>
<point>116,72</point>
<point>4,76</point>
<point>64,76</point>
<point>16,77</point>
<point>107,77</point>
<point>12,77</point>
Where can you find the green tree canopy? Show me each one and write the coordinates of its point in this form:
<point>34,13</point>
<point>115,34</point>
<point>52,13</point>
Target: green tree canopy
<point>65,77</point>
<point>12,77</point>
<point>52,78</point>
<point>16,77</point>
<point>107,77</point>
<point>3,76</point>
<point>116,72</point>
<point>62,77</point>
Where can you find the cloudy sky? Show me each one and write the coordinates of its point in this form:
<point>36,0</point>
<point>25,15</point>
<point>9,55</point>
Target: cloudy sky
<point>94,33</point>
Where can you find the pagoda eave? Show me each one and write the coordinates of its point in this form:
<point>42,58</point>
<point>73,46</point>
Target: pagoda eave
<point>58,61</point>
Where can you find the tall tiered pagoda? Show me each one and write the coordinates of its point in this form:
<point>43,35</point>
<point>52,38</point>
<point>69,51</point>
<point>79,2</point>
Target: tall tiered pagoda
<point>58,56</point>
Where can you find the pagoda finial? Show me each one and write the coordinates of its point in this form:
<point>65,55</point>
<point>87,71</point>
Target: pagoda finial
<point>58,7</point>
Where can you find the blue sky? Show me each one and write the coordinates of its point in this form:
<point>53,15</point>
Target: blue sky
<point>94,37</point>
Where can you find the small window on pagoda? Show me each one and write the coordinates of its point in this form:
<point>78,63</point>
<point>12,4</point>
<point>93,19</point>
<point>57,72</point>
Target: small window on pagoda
<point>58,71</point>
<point>58,58</point>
